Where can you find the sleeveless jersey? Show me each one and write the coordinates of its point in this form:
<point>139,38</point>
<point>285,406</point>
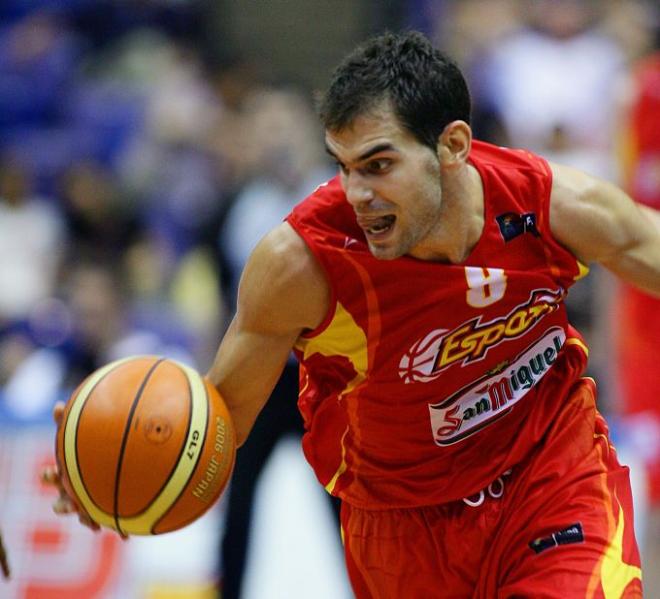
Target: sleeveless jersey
<point>427,380</point>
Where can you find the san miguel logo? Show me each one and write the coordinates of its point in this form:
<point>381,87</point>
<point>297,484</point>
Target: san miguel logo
<point>470,341</point>
<point>491,397</point>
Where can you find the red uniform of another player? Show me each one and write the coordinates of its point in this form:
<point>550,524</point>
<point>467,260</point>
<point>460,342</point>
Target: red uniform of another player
<point>474,387</point>
<point>638,314</point>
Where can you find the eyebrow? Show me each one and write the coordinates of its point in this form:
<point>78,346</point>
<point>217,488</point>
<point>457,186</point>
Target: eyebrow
<point>384,147</point>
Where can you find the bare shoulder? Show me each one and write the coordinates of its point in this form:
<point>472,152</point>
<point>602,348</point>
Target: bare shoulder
<point>591,217</point>
<point>283,284</point>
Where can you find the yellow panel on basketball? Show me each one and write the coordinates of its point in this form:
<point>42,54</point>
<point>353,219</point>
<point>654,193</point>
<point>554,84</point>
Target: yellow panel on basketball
<point>146,445</point>
<point>99,435</point>
<point>215,466</point>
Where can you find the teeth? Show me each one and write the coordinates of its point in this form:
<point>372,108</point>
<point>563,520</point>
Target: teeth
<point>378,228</point>
<point>384,224</point>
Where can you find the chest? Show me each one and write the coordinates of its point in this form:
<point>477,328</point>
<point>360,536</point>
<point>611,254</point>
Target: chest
<point>449,323</point>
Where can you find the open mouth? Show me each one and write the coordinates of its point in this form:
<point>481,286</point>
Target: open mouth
<point>378,226</point>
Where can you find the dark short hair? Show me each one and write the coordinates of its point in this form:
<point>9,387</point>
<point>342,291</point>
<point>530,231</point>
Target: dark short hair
<point>426,89</point>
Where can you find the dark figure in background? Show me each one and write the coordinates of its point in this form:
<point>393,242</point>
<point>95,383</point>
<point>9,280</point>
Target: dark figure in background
<point>279,419</point>
<point>4,560</point>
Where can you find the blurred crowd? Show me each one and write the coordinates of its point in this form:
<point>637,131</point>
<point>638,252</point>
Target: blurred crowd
<point>135,176</point>
<point>137,170</point>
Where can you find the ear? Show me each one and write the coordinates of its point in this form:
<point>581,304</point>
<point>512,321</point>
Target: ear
<point>454,144</point>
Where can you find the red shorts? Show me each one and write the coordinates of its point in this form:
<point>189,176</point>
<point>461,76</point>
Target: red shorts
<point>558,525</point>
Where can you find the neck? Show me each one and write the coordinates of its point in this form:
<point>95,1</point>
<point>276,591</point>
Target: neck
<point>462,216</point>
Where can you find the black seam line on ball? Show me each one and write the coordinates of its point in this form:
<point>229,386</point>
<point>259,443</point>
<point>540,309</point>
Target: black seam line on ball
<point>184,448</point>
<point>124,440</point>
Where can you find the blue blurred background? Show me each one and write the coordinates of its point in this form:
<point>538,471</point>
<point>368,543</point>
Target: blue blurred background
<point>145,147</point>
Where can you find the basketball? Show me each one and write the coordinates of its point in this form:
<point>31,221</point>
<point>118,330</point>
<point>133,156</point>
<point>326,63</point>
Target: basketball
<point>146,445</point>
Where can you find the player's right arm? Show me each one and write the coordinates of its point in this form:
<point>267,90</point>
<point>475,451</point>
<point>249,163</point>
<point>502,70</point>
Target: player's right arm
<point>283,292</point>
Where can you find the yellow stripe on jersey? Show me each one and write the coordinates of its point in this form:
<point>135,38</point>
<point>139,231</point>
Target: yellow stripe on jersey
<point>615,574</point>
<point>342,337</point>
<point>342,467</point>
<point>579,343</point>
<point>583,271</point>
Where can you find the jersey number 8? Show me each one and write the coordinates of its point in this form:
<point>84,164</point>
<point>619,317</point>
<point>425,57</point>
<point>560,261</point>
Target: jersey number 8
<point>485,285</point>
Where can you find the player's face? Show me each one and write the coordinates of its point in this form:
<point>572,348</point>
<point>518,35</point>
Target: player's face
<point>393,183</point>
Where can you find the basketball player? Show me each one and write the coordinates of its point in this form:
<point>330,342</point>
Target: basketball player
<point>422,290</point>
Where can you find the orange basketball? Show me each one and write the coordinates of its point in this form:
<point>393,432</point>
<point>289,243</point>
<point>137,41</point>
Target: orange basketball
<point>146,445</point>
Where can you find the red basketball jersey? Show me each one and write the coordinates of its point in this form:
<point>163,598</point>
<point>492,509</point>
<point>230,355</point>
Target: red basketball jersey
<point>427,380</point>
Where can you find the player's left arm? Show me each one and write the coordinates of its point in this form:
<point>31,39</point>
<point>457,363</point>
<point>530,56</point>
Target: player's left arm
<point>598,222</point>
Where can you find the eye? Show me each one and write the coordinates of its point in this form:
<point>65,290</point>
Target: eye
<point>379,166</point>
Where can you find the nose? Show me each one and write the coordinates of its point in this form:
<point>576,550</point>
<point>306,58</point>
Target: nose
<point>357,189</point>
